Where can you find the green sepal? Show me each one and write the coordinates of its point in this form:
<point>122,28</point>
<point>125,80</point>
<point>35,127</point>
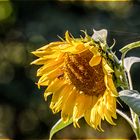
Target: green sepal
<point>132,99</point>
<point>58,126</point>
<point>121,79</point>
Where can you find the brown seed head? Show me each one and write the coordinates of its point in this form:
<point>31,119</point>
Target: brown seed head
<point>85,78</point>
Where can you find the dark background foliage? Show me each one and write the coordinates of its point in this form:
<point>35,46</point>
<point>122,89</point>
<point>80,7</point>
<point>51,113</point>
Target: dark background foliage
<point>28,25</point>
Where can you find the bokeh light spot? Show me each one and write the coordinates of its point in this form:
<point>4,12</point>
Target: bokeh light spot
<point>6,72</point>
<point>6,120</point>
<point>16,53</point>
<point>5,9</point>
<point>28,121</point>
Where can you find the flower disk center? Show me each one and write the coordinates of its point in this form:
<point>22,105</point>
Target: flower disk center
<point>85,78</point>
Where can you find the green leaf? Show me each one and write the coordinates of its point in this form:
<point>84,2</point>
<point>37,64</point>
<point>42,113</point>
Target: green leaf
<point>132,99</point>
<point>130,46</point>
<point>58,126</point>
<point>129,61</point>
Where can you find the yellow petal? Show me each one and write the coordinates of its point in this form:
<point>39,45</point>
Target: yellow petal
<point>46,94</point>
<point>111,103</point>
<point>55,73</point>
<point>88,110</point>
<point>96,118</point>
<point>94,108</point>
<point>80,47</point>
<point>67,37</point>
<point>67,109</point>
<point>87,117</point>
<point>69,48</point>
<point>63,95</point>
<point>110,85</point>
<point>53,86</point>
<point>95,60</point>
<point>100,109</point>
<point>46,58</point>
<point>107,115</point>
<point>41,53</point>
<point>48,46</point>
<point>45,78</point>
<point>79,108</point>
<point>49,66</point>
<point>56,98</point>
<point>44,81</point>
<point>106,68</point>
<point>92,48</point>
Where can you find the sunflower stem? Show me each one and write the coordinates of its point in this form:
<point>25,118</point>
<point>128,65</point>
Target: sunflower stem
<point>126,118</point>
<point>134,116</point>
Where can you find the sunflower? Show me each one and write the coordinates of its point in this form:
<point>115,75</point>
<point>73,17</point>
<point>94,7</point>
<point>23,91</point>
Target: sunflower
<point>79,75</point>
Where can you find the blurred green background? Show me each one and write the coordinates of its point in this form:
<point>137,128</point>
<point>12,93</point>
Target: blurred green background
<point>27,25</point>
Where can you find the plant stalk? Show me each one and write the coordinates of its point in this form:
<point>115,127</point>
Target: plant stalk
<point>134,116</point>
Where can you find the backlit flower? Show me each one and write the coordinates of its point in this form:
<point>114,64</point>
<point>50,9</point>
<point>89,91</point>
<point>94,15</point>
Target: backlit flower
<point>80,78</point>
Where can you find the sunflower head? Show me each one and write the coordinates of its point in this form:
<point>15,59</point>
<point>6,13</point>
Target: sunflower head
<point>79,75</point>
